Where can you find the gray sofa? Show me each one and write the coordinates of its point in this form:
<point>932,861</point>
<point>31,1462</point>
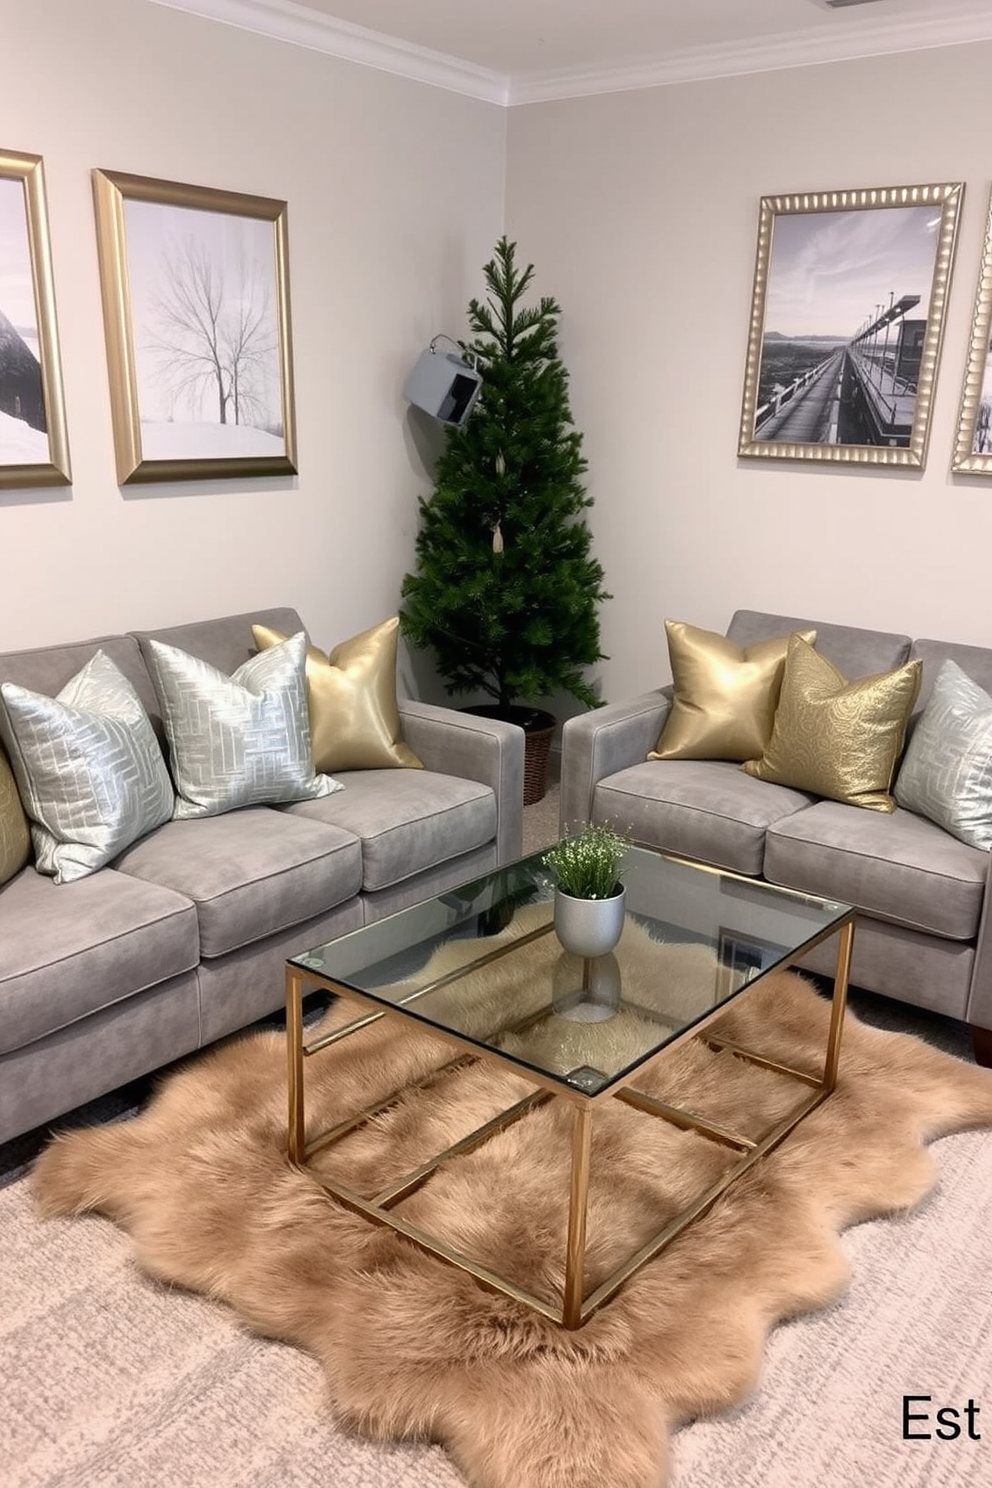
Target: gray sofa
<point>924,927</point>
<point>183,937</point>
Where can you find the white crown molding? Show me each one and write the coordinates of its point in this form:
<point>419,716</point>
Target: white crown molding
<point>284,20</point>
<point>820,45</point>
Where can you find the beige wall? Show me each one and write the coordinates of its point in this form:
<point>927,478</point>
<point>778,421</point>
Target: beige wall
<point>640,212</point>
<point>395,194</point>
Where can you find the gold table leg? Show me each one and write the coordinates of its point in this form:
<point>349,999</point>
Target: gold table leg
<point>294,1049</point>
<point>838,1005</point>
<point>578,1201</point>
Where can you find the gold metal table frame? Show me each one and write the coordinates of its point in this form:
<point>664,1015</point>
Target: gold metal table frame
<point>576,1306</point>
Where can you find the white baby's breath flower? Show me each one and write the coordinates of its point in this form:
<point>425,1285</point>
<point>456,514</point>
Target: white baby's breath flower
<point>586,864</point>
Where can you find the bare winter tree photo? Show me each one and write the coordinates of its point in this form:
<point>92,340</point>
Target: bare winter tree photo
<point>203,290</point>
<point>216,338</point>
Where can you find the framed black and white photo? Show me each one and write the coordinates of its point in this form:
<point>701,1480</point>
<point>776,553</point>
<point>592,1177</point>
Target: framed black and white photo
<point>34,450</point>
<point>973,445</point>
<point>196,309</point>
<point>847,315</point>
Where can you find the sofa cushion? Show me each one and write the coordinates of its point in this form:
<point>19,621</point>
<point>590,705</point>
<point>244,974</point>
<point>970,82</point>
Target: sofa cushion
<point>857,652</point>
<point>67,951</point>
<point>90,769</point>
<point>354,718</point>
<point>837,738</point>
<point>250,872</point>
<point>946,774</point>
<point>406,820</point>
<point>725,694</point>
<point>15,838</point>
<point>976,661</point>
<point>898,867</point>
<point>48,668</point>
<point>225,642</point>
<point>239,740</point>
<point>702,809</point>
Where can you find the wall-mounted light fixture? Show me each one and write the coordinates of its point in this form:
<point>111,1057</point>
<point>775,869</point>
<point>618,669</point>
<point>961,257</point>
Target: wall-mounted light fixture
<point>443,384</point>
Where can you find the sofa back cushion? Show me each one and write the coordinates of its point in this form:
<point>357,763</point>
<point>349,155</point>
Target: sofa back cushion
<point>855,652</point>
<point>47,669</point>
<point>225,643</point>
<point>974,661</point>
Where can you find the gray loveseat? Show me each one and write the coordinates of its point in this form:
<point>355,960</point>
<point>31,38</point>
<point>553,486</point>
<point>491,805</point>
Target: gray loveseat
<point>924,928</point>
<point>182,939</point>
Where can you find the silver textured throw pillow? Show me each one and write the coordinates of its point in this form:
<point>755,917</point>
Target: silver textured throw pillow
<point>89,768</point>
<point>242,740</point>
<point>946,774</point>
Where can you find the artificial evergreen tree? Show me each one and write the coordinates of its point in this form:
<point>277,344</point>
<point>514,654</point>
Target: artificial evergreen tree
<point>506,591</point>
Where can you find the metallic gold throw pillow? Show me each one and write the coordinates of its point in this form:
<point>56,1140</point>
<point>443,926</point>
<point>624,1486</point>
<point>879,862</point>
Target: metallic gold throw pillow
<point>836,738</point>
<point>354,720</point>
<point>15,837</point>
<point>725,694</point>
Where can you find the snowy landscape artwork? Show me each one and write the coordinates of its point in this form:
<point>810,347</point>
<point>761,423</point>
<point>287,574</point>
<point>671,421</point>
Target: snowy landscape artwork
<point>200,372</point>
<point>32,445</point>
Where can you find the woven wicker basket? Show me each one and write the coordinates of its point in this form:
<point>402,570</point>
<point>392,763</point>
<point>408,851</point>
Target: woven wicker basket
<point>537,746</point>
<point>539,727</point>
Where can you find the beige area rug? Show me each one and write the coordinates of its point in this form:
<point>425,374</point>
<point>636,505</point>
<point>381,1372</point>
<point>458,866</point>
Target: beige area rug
<point>413,1350</point>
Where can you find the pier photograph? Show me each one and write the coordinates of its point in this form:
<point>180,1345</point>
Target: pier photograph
<point>844,335</point>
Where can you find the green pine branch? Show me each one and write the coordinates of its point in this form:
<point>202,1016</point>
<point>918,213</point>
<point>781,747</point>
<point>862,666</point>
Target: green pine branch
<point>506,591</point>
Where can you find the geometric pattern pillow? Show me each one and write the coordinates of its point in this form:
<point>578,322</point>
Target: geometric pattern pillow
<point>242,740</point>
<point>15,836</point>
<point>946,775</point>
<point>834,738</point>
<point>725,695</point>
<point>89,767</point>
<point>354,720</point>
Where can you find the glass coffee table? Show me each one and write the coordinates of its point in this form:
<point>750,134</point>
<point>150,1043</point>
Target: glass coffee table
<point>503,924</point>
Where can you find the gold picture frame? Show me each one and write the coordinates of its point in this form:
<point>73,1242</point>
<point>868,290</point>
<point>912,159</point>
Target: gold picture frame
<point>195,288</point>
<point>973,444</point>
<point>847,316</point>
<point>34,448</point>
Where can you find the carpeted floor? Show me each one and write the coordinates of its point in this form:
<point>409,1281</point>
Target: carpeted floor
<point>139,1386</point>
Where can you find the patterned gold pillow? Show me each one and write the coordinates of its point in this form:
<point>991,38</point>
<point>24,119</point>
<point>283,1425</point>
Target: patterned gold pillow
<point>15,835</point>
<point>354,720</point>
<point>725,694</point>
<point>836,738</point>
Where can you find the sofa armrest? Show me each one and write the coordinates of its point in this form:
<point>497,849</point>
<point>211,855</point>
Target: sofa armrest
<point>598,743</point>
<point>473,748</point>
<point>979,1008</point>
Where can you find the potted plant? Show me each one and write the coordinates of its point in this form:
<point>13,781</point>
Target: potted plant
<point>505,589</point>
<point>590,898</point>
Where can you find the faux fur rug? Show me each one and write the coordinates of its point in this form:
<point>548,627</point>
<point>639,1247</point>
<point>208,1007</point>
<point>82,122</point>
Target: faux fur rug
<point>412,1348</point>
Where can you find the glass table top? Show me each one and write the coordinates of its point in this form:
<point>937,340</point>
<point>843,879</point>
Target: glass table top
<point>482,962</point>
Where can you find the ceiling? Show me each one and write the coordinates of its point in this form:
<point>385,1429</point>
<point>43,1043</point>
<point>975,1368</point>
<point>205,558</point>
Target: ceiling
<point>517,51</point>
